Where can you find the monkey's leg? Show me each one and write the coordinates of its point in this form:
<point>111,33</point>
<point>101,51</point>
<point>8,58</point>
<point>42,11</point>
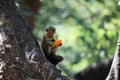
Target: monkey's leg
<point>54,50</point>
<point>55,59</point>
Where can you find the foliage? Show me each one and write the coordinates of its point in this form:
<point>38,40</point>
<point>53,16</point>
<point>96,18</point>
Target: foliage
<point>88,28</point>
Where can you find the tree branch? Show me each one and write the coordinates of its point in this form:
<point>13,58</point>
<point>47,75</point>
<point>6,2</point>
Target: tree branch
<point>114,73</point>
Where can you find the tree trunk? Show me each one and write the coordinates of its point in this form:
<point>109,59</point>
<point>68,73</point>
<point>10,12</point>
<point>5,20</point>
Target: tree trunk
<point>32,7</point>
<point>20,55</point>
<point>97,71</point>
<point>114,73</point>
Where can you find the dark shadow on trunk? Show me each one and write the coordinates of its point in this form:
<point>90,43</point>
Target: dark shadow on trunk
<point>97,71</point>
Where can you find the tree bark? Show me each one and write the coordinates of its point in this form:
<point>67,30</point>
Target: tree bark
<point>20,55</point>
<point>97,71</point>
<point>114,73</point>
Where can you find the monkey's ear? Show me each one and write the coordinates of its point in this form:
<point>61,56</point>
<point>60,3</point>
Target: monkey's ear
<point>46,30</point>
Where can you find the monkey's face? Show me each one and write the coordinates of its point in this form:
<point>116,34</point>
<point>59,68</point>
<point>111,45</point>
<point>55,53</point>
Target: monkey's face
<point>51,33</point>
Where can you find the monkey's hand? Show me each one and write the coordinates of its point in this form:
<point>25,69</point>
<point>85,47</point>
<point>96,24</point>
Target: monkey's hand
<point>57,43</point>
<point>53,40</point>
<point>60,44</point>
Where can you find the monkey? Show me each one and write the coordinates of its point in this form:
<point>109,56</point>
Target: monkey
<point>47,46</point>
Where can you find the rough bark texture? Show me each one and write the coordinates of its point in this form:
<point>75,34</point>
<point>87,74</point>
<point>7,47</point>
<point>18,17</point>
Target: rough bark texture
<point>114,73</point>
<point>20,55</point>
<point>97,71</point>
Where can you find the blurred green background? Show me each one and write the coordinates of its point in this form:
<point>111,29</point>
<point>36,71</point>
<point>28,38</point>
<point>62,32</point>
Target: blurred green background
<point>88,28</point>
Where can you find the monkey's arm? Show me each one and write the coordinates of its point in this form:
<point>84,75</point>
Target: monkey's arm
<point>48,42</point>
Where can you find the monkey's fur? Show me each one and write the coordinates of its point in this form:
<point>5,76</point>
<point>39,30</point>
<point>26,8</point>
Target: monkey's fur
<point>47,46</point>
